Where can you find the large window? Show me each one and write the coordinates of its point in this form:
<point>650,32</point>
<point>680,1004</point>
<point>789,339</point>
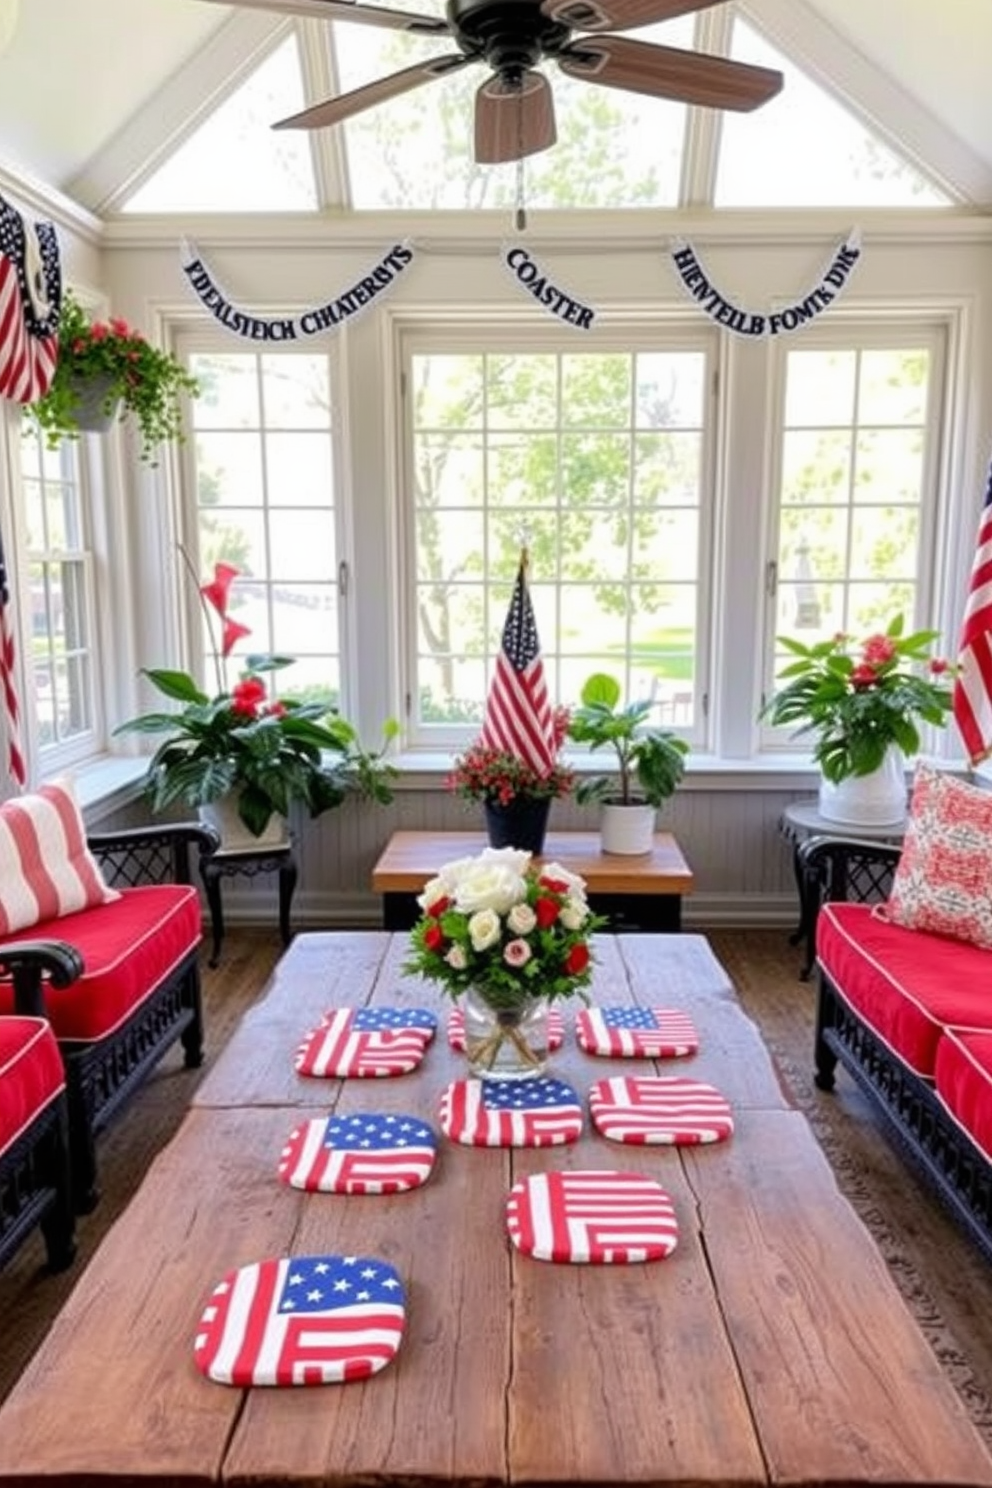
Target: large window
<point>59,637</point>
<point>599,461</point>
<point>266,503</point>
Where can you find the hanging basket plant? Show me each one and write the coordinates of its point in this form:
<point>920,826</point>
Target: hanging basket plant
<point>106,369</point>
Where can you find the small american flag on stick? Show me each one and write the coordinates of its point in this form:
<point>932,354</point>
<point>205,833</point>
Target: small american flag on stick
<point>973,683</point>
<point>511,1113</point>
<point>519,717</point>
<point>302,1320</point>
<point>596,1217</point>
<point>12,761</point>
<point>364,1153</point>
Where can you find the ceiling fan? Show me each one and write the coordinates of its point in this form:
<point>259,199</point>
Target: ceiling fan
<point>514,107</point>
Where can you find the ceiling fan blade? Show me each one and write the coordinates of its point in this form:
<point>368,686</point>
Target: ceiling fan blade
<point>513,120</point>
<point>619,15</point>
<point>669,72</point>
<point>346,105</point>
<point>349,10</point>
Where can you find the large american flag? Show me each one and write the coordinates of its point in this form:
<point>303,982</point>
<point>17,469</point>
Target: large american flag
<point>636,1032</point>
<point>665,1108</point>
<point>518,716</point>
<point>973,684</point>
<point>30,301</point>
<point>13,772</point>
<point>593,1216</point>
<point>456,1029</point>
<point>366,1042</point>
<point>302,1320</point>
<point>511,1113</point>
<point>361,1153</point>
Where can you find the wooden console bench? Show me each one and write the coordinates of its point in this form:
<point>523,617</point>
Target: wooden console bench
<point>770,1349</point>
<point>640,892</point>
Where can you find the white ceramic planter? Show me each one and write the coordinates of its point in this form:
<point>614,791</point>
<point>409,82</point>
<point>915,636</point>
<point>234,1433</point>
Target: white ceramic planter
<point>234,835</point>
<point>875,800</point>
<point>627,830</point>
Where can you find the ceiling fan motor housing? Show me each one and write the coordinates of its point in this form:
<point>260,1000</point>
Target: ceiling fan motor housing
<point>512,35</point>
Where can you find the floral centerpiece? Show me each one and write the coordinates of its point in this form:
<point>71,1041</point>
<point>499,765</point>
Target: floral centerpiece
<point>862,697</point>
<point>125,369</point>
<point>509,937</point>
<point>244,741</point>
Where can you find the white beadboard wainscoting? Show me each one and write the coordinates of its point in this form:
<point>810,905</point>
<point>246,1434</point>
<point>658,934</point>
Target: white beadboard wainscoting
<point>729,836</point>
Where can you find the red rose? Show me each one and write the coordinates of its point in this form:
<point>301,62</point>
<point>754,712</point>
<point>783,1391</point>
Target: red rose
<point>439,906</point>
<point>546,911</point>
<point>577,959</point>
<point>553,885</point>
<point>433,938</point>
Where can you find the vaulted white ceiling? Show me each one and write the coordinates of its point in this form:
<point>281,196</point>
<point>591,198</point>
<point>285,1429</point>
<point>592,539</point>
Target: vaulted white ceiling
<point>92,89</point>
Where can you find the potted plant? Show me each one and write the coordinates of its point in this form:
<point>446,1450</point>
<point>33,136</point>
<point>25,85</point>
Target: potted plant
<point>249,750</point>
<point>650,764</point>
<point>516,798</point>
<point>104,366</point>
<point>864,701</point>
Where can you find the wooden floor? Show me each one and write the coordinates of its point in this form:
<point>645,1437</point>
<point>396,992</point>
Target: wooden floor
<point>945,1280</point>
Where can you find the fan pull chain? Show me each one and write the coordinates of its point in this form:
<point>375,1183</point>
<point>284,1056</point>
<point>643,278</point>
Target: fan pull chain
<point>521,215</point>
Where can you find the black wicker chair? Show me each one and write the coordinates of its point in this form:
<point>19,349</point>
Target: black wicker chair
<point>34,1142</point>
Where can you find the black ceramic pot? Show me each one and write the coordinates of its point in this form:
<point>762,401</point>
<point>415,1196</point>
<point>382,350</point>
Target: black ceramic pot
<point>521,824</point>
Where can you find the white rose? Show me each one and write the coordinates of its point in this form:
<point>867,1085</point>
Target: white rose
<point>484,929</point>
<point>574,884</point>
<point>456,958</point>
<point>521,919</point>
<point>511,857</point>
<point>574,913</point>
<point>451,874</point>
<point>433,891</point>
<point>489,885</point>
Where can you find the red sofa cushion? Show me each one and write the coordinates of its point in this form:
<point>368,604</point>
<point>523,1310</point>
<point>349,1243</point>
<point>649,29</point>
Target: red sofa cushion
<point>906,984</point>
<point>31,1074</point>
<point>964,1083</point>
<point>127,947</point>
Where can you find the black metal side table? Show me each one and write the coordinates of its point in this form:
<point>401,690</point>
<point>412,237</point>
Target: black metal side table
<point>248,864</point>
<point>801,821</point>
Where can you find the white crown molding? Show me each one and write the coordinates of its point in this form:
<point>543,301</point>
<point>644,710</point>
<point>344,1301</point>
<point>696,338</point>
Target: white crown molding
<point>41,200</point>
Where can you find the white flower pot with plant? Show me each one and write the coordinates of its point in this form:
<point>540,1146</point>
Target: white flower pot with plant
<point>650,765</point>
<point>865,703</point>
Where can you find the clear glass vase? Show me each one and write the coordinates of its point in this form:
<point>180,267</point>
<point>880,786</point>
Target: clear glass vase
<point>505,1043</point>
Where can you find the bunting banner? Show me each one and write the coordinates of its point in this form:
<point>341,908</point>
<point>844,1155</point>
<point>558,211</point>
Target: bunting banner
<point>30,303</point>
<point>343,306</point>
<point>718,307</point>
<point>533,280</point>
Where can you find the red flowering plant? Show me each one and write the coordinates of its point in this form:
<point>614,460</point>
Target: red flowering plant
<point>270,751</point>
<point>860,698</point>
<point>482,773</point>
<point>503,924</point>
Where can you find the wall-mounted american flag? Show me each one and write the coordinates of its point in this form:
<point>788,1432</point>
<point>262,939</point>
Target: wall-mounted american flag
<point>518,717</point>
<point>360,1153</point>
<point>456,1029</point>
<point>366,1042</point>
<point>13,770</point>
<point>636,1032</point>
<point>665,1108</point>
<point>30,302</point>
<point>596,1217</point>
<point>511,1113</point>
<point>302,1320</point>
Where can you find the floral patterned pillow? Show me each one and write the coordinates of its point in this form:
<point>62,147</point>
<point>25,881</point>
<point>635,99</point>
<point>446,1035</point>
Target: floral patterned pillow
<point>943,882</point>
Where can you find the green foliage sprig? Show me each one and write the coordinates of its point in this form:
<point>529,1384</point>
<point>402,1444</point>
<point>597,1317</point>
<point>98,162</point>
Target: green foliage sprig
<point>650,761</point>
<point>147,383</point>
<point>861,697</point>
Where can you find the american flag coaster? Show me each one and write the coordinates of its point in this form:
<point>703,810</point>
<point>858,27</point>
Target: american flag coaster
<point>366,1042</point>
<point>670,1109</point>
<point>636,1032</point>
<point>511,1113</point>
<point>456,1030</point>
<point>302,1320</point>
<point>593,1217</point>
<point>359,1153</point>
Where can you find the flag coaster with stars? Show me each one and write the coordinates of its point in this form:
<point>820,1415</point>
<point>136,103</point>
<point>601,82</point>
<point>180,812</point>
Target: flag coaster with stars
<point>664,1109</point>
<point>301,1320</point>
<point>591,1217</point>
<point>456,1029</point>
<point>366,1042</point>
<point>359,1153</point>
<point>536,1112</point>
<point>636,1032</point>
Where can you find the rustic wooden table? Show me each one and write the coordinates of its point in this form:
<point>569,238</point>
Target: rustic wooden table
<point>642,891</point>
<point>770,1348</point>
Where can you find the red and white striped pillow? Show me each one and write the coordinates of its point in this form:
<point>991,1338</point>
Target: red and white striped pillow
<point>46,869</point>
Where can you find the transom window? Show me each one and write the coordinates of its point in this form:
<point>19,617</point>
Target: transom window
<point>597,461</point>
